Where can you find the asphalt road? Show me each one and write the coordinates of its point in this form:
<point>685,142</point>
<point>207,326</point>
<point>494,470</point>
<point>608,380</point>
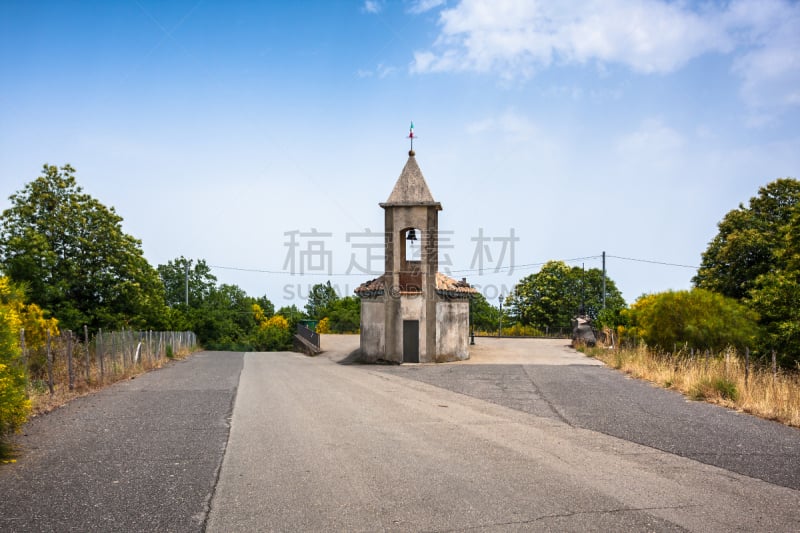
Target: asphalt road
<point>142,455</point>
<point>524,442</point>
<point>604,400</point>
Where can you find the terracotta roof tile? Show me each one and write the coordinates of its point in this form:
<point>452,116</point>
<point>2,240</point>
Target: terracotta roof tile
<point>444,285</point>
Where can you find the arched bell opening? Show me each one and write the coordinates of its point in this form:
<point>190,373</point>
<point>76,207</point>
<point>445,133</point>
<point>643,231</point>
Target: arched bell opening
<point>411,264</point>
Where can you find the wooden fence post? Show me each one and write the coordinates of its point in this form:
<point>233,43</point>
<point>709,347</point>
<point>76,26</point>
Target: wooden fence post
<point>70,370</point>
<point>24,349</point>
<point>774,367</point>
<point>113,356</point>
<point>746,365</point>
<point>88,358</point>
<point>49,365</point>
<point>99,352</point>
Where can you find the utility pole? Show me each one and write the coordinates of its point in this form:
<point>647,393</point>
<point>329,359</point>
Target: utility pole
<point>583,289</point>
<point>186,286</point>
<point>604,280</point>
<point>500,323</point>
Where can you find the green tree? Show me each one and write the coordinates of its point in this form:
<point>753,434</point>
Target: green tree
<point>749,240</point>
<point>173,276</point>
<point>71,253</point>
<point>292,314</point>
<point>344,315</point>
<point>267,307</point>
<point>485,317</point>
<point>225,318</point>
<point>775,296</point>
<point>698,318</point>
<point>557,293</point>
<point>755,258</point>
<point>320,298</point>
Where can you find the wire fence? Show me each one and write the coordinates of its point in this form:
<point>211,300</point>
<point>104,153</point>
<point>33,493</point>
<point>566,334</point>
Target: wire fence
<point>77,361</point>
<point>517,330</point>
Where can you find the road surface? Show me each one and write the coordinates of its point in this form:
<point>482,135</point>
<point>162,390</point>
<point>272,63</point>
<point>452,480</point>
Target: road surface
<point>514,442</point>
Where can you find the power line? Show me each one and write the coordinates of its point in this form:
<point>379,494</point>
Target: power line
<point>488,270</point>
<point>653,262</point>
<point>527,265</point>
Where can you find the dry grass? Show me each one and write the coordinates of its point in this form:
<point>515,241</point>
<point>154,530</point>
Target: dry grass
<point>718,379</point>
<point>43,402</point>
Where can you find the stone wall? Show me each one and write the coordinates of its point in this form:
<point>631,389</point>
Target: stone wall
<point>452,330</point>
<point>372,329</point>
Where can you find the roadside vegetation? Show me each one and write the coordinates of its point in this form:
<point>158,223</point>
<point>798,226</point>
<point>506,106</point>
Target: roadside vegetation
<point>719,378</point>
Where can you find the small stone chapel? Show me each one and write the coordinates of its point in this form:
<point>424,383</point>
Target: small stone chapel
<point>413,313</point>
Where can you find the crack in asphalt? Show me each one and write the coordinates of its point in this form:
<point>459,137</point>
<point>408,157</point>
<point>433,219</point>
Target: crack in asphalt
<point>546,400</point>
<point>565,515</point>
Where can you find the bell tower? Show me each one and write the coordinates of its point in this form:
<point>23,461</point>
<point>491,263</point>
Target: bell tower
<point>411,219</point>
<point>413,313</point>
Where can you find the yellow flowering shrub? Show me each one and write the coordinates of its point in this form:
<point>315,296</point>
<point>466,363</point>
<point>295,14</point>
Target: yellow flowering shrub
<point>258,314</point>
<point>324,325</point>
<point>14,403</point>
<point>277,321</point>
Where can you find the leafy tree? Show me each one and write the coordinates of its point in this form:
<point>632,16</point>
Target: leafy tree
<point>485,317</point>
<point>698,318</point>
<point>755,258</point>
<point>292,314</point>
<point>320,298</point>
<point>72,255</point>
<point>225,318</point>
<point>14,403</point>
<point>557,293</point>
<point>173,276</point>
<point>749,240</point>
<point>775,296</point>
<point>344,315</point>
<point>267,307</point>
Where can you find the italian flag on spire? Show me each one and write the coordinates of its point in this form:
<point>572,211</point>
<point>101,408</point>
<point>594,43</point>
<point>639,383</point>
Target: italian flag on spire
<point>411,131</point>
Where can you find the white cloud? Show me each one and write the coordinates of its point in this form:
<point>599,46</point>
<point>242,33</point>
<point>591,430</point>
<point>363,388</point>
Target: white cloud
<point>770,64</point>
<point>422,6</point>
<point>381,71</point>
<point>373,6</point>
<point>515,38</point>
<point>518,36</point>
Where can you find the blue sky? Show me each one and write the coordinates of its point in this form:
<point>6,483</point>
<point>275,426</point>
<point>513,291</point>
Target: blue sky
<point>223,130</point>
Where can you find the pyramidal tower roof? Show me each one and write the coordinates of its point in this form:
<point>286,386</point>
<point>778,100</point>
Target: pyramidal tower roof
<point>411,188</point>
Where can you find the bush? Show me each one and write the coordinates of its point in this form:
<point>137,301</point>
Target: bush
<point>711,388</point>
<point>324,326</point>
<point>14,403</point>
<point>519,330</point>
<point>697,319</point>
<point>272,335</point>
